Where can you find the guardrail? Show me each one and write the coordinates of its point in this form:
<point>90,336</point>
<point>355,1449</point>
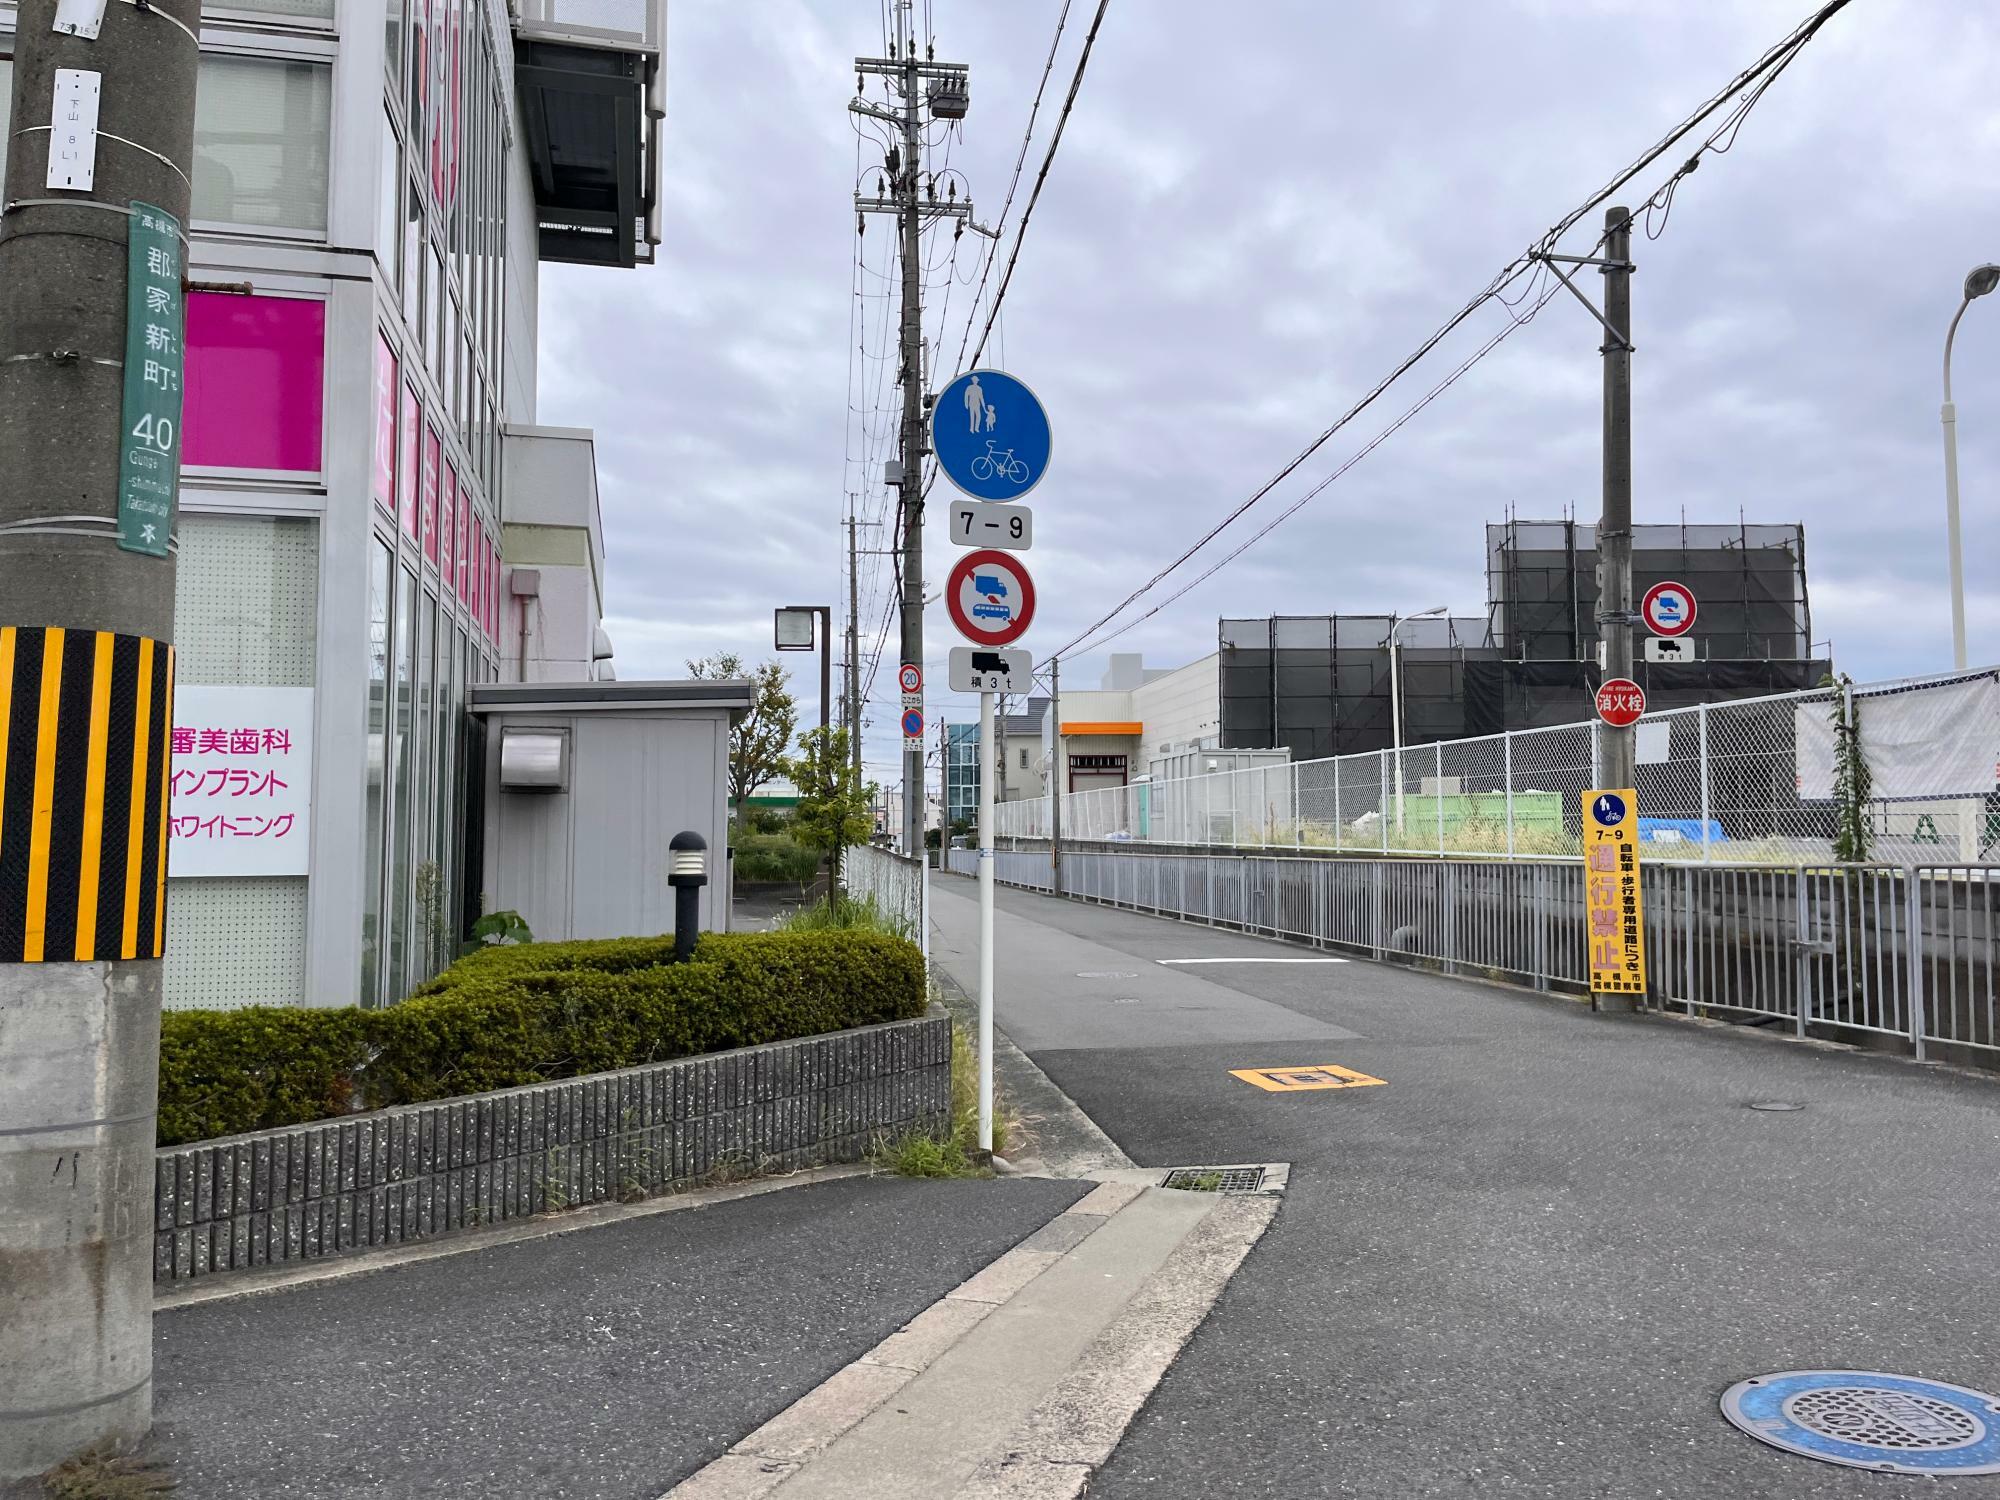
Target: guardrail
<point>1909,955</point>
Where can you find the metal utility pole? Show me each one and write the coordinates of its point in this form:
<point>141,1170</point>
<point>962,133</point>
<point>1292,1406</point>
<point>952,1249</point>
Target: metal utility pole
<point>1056,776</point>
<point>853,652</point>
<point>92,284</point>
<point>912,199</point>
<point>1614,528</point>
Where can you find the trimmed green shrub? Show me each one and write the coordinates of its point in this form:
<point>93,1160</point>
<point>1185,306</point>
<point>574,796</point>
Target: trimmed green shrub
<point>527,1013</point>
<point>774,856</point>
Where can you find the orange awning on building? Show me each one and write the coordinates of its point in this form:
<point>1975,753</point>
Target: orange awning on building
<point>1107,726</point>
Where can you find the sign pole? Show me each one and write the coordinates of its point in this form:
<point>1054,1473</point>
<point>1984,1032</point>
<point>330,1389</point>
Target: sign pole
<point>986,923</point>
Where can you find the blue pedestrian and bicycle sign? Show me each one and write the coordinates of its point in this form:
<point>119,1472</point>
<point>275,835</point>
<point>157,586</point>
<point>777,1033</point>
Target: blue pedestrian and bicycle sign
<point>1608,808</point>
<point>1897,1424</point>
<point>990,435</point>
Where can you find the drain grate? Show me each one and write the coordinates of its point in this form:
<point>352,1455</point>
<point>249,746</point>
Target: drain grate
<point>1866,1420</point>
<point>1216,1179</point>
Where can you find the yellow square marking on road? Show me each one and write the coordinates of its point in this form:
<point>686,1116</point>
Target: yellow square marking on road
<point>1296,1080</point>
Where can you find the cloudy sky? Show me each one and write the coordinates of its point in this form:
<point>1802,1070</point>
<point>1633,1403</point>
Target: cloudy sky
<point>1256,211</point>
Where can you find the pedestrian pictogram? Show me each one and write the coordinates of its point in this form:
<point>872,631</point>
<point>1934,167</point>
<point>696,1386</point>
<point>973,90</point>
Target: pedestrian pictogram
<point>991,598</point>
<point>911,677</point>
<point>990,435</point>
<point>1621,702</point>
<point>1668,609</point>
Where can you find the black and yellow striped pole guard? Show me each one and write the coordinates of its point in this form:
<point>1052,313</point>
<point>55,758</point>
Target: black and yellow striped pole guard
<point>85,739</point>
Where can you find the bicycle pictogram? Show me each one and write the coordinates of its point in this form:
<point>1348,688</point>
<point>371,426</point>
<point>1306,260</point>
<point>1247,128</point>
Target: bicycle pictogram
<point>998,460</point>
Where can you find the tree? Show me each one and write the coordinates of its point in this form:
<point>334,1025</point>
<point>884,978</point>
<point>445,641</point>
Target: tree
<point>833,810</point>
<point>757,742</point>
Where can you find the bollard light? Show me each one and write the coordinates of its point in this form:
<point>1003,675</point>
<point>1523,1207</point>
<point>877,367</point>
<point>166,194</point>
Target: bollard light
<point>687,873</point>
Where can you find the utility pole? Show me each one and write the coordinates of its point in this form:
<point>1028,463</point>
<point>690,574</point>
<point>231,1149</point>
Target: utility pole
<point>92,285</point>
<point>1056,776</point>
<point>906,194</point>
<point>853,652</point>
<point>1614,528</point>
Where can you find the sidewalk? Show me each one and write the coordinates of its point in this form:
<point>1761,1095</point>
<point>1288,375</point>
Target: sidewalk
<point>612,1362</point>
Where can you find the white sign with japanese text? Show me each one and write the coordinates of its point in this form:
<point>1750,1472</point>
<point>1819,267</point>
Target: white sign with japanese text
<point>242,781</point>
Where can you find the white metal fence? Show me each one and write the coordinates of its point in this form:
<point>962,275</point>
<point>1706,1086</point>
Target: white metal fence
<point>1747,781</point>
<point>1904,953</point>
<point>898,886</point>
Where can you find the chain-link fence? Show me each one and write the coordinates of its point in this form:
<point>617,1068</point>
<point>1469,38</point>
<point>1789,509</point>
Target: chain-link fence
<point>1747,781</point>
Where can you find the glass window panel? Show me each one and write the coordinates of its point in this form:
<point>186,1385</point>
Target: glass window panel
<point>246,600</point>
<point>400,809</point>
<point>260,142</point>
<point>413,240</point>
<point>427,892</point>
<point>394,45</point>
<point>298,10</point>
<point>432,317</point>
<point>389,208</point>
<point>378,681</point>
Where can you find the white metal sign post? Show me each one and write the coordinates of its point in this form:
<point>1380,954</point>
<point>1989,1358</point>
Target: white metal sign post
<point>991,599</point>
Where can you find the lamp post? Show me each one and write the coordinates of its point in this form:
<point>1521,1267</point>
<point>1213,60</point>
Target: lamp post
<point>1396,696</point>
<point>1978,282</point>
<point>687,873</point>
<point>795,633</point>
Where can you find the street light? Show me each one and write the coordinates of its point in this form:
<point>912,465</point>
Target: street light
<point>1978,282</point>
<point>1396,697</point>
<point>795,633</point>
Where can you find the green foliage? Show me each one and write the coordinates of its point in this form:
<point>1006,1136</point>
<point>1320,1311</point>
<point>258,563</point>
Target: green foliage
<point>956,1152</point>
<point>774,856</point>
<point>839,912</point>
<point>526,1013</point>
<point>764,819</point>
<point>498,929</point>
<point>1853,782</point>
<point>833,808</point>
<point>757,741</point>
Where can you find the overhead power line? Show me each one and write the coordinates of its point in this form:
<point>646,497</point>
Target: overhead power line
<point>1767,67</point>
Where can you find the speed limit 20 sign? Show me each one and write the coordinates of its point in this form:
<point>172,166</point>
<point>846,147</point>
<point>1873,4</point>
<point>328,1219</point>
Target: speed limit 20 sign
<point>911,678</point>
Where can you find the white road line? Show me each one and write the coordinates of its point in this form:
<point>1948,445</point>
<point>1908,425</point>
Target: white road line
<point>1249,960</point>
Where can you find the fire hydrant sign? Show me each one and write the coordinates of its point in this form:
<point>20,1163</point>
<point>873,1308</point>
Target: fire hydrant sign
<point>149,454</point>
<point>241,786</point>
<point>1617,926</point>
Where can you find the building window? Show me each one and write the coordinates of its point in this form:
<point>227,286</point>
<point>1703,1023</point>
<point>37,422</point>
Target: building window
<point>1024,760</point>
<point>378,744</point>
<point>256,381</point>
<point>246,601</point>
<point>261,142</point>
<point>299,10</point>
<point>389,207</point>
<point>401,807</point>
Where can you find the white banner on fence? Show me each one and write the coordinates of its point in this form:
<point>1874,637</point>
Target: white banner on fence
<point>1940,741</point>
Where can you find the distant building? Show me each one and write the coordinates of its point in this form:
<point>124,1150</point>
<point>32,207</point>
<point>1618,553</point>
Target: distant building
<point>1017,747</point>
<point>1319,684</point>
<point>1135,716</point>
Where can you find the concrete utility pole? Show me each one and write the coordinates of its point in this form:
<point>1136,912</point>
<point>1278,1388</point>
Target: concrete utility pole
<point>913,200</point>
<point>1614,528</point>
<point>89,459</point>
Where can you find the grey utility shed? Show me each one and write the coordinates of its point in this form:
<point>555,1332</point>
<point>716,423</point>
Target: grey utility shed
<point>585,784</point>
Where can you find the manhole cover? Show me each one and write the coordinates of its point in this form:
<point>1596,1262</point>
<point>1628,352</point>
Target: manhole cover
<point>1868,1420</point>
<point>1775,1106</point>
<point>1216,1179</point>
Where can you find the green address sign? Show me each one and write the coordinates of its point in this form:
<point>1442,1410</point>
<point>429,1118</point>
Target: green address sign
<point>149,459</point>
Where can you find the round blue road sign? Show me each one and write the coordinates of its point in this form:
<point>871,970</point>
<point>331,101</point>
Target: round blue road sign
<point>1868,1420</point>
<point>1608,809</point>
<point>991,435</point>
<point>913,723</point>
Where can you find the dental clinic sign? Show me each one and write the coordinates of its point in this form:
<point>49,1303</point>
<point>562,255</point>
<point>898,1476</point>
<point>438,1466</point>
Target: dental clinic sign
<point>241,783</point>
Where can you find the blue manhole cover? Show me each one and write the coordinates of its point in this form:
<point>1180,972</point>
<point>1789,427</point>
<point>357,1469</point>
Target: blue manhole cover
<point>1868,1420</point>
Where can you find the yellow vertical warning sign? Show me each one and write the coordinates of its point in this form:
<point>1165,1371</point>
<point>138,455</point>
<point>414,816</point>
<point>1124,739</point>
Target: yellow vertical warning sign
<point>1616,930</point>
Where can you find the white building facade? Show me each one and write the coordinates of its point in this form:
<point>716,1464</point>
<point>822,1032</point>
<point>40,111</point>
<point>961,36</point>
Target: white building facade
<point>374,187</point>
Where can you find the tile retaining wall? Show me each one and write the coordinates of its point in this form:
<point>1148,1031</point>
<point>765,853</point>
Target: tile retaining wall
<point>419,1171</point>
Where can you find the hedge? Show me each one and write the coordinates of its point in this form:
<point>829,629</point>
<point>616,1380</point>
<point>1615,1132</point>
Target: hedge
<point>524,1014</point>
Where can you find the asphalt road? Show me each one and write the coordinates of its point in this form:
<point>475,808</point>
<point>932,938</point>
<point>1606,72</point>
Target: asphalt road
<point>1530,1263</point>
<point>608,1363</point>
